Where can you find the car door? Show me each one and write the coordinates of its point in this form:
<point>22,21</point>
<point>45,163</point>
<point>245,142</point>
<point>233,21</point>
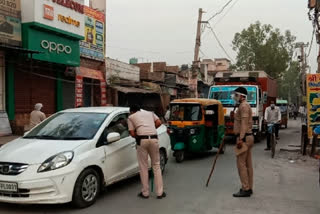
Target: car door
<point>121,160</point>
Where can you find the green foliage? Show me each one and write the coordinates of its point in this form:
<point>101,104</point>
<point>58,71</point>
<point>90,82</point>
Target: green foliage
<point>262,47</point>
<point>289,84</point>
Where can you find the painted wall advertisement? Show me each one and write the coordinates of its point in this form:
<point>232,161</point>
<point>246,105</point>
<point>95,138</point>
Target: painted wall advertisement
<point>313,102</point>
<point>10,22</point>
<point>93,45</point>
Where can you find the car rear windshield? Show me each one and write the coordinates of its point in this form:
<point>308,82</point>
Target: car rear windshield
<point>69,126</point>
<point>186,112</point>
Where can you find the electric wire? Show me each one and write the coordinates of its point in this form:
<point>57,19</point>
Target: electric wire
<point>221,10</point>
<point>220,44</point>
<point>227,12</point>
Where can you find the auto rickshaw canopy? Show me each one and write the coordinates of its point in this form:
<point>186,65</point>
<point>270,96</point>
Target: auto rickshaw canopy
<point>204,103</point>
<point>282,102</point>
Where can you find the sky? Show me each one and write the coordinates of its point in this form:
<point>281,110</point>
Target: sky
<point>165,30</point>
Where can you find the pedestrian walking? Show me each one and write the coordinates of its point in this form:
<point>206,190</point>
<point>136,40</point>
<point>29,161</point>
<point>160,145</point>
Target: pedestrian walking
<point>243,129</point>
<point>272,115</point>
<point>303,113</point>
<point>37,116</point>
<point>143,126</point>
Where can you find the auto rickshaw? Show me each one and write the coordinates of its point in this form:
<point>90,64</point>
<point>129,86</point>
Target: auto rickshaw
<point>283,105</point>
<point>195,126</point>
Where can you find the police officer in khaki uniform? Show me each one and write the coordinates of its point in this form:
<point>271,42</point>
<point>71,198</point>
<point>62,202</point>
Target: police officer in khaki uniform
<point>143,126</point>
<point>243,129</point>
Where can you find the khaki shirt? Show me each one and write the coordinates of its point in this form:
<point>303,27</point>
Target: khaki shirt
<point>36,117</point>
<point>243,120</point>
<point>143,122</point>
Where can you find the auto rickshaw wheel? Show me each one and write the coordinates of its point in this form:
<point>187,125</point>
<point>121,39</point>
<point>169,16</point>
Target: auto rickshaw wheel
<point>179,156</point>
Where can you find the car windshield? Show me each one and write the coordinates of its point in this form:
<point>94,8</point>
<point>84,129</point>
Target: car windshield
<point>69,126</point>
<point>224,95</point>
<point>185,112</point>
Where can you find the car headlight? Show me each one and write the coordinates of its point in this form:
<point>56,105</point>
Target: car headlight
<point>192,131</point>
<point>56,162</point>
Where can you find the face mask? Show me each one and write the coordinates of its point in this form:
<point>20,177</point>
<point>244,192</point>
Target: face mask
<point>272,106</point>
<point>236,98</point>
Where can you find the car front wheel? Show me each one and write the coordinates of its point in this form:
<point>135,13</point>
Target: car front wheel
<point>87,189</point>
<point>163,160</point>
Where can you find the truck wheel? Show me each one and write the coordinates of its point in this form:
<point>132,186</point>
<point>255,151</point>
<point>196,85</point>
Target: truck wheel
<point>179,156</point>
<point>86,189</point>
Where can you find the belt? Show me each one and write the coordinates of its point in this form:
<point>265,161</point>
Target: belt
<point>246,135</point>
<point>144,137</point>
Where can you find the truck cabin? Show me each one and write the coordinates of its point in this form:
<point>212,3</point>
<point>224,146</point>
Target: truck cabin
<point>224,93</point>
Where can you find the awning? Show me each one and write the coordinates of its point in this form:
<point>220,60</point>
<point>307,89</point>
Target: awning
<point>128,90</point>
<point>18,49</point>
<point>90,73</point>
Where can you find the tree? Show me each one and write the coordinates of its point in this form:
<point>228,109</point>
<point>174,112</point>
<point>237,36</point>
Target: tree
<point>261,47</point>
<point>289,84</point>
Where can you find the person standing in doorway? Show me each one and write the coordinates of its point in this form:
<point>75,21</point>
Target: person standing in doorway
<point>37,116</point>
<point>143,126</point>
<point>167,115</point>
<point>273,116</point>
<point>243,129</point>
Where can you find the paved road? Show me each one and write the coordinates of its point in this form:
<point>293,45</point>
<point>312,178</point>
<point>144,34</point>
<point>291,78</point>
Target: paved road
<point>280,187</point>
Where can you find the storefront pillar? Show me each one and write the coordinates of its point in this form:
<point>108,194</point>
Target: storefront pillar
<point>10,93</point>
<point>59,92</point>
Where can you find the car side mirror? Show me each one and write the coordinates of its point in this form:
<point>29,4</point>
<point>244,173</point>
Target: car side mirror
<point>113,137</point>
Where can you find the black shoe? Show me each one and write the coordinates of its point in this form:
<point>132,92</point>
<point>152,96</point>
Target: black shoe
<point>162,196</point>
<point>267,149</point>
<point>277,138</point>
<point>250,191</point>
<point>140,195</point>
<point>242,194</point>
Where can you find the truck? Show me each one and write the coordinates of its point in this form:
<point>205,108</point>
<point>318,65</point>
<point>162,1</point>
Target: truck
<point>262,89</point>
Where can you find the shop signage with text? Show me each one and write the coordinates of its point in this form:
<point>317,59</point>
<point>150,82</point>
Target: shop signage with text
<point>10,22</point>
<point>61,15</point>
<point>54,47</point>
<point>313,101</point>
<point>93,45</point>
<point>48,12</point>
<point>68,20</point>
<point>71,4</point>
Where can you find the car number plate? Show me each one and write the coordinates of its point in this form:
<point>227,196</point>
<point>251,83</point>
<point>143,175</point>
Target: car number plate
<point>8,187</point>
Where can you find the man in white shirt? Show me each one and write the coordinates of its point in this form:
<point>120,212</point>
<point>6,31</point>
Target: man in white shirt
<point>273,116</point>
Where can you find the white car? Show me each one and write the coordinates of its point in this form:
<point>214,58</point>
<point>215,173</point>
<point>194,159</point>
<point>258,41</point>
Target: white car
<point>71,156</point>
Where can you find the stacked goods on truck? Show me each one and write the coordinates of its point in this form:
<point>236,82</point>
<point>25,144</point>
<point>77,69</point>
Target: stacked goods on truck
<point>262,89</point>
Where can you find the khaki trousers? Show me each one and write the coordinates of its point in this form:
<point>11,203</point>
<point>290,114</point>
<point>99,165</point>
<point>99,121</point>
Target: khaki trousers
<point>150,147</point>
<point>244,164</point>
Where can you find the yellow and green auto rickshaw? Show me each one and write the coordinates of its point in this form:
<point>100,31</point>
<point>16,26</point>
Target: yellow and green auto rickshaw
<point>283,105</point>
<point>195,126</point>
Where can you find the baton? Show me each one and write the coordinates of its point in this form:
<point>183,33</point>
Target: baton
<point>214,163</point>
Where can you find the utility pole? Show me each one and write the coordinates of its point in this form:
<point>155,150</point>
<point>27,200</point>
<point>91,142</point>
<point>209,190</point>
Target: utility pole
<point>303,60</point>
<point>196,60</point>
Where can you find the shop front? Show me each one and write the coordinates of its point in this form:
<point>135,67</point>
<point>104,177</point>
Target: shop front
<point>90,88</point>
<point>10,38</point>
<point>54,31</point>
